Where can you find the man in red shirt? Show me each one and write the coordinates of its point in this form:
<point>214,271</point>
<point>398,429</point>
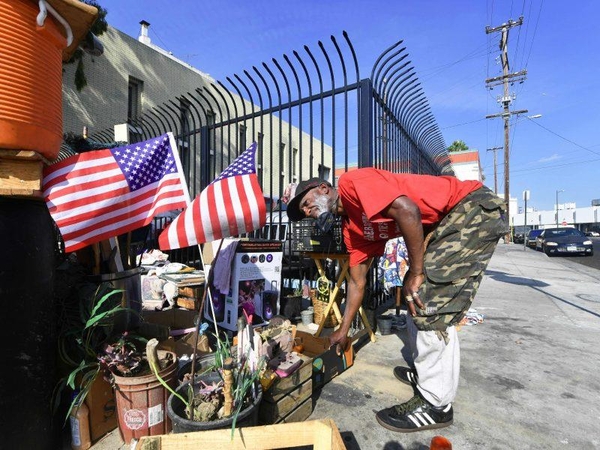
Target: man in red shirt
<point>463,221</point>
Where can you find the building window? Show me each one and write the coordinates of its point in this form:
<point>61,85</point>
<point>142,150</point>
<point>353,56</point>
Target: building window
<point>134,98</point>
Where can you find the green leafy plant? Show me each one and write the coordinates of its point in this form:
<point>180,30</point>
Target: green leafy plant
<point>82,338</point>
<point>98,28</point>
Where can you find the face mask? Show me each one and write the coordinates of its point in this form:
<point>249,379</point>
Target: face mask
<point>325,221</point>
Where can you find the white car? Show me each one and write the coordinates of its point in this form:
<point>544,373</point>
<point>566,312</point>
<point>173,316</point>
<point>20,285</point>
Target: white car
<point>592,234</point>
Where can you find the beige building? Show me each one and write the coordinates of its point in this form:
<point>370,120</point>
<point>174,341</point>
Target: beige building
<point>135,81</point>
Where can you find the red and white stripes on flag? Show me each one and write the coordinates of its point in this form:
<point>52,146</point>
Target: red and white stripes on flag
<point>231,205</point>
<point>104,193</point>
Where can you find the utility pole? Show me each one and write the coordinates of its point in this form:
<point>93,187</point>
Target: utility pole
<point>495,149</point>
<point>506,100</point>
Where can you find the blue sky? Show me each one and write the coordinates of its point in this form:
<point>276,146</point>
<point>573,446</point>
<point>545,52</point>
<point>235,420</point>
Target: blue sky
<point>452,54</point>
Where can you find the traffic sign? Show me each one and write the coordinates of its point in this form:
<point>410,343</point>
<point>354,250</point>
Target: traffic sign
<point>564,223</point>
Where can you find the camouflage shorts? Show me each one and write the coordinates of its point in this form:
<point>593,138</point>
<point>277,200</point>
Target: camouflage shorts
<point>457,254</point>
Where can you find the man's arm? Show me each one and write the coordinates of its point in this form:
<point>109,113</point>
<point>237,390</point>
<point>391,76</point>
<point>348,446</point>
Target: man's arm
<point>354,298</point>
<point>408,217</point>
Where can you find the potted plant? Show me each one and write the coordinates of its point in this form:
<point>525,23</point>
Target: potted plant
<point>142,381</point>
<point>84,332</point>
<point>226,396</point>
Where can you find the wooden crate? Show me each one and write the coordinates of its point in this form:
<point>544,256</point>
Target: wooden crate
<point>289,398</point>
<point>285,385</point>
<point>321,434</point>
<point>191,291</point>
<point>191,303</point>
<point>275,412</point>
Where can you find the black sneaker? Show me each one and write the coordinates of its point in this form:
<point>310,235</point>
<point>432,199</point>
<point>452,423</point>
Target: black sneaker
<point>415,415</point>
<point>406,375</point>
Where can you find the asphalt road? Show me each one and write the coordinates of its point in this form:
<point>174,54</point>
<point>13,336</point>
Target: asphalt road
<point>590,261</point>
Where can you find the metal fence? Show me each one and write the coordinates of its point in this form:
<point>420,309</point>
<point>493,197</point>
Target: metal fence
<point>311,114</point>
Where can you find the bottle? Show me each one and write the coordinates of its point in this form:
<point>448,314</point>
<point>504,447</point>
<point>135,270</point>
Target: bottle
<point>80,426</point>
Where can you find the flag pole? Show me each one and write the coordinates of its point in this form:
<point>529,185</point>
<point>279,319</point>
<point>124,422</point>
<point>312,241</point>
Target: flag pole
<point>207,283</point>
<point>208,275</point>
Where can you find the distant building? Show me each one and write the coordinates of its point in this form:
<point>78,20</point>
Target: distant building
<point>466,165</point>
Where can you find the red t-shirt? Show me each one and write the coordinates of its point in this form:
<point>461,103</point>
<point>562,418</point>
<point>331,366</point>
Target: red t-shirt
<point>366,193</point>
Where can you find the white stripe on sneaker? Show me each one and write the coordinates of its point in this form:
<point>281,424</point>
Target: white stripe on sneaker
<point>419,419</point>
<point>431,421</point>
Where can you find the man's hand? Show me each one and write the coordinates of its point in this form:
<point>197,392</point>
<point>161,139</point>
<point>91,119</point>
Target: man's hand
<point>339,338</point>
<point>410,289</point>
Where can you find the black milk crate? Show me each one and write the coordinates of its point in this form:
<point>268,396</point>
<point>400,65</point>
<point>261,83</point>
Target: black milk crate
<point>307,237</point>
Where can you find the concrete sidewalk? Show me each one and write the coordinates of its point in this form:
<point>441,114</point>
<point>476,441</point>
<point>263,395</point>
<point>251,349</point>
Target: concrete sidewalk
<point>529,374</point>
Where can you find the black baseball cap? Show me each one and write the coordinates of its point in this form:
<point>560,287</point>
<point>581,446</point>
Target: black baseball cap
<point>293,207</point>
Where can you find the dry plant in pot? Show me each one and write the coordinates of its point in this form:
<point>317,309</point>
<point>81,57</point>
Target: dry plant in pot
<point>228,395</point>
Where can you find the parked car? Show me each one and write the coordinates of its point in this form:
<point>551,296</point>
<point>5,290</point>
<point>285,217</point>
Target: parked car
<point>592,234</point>
<point>564,241</point>
<point>531,237</point>
<point>519,238</point>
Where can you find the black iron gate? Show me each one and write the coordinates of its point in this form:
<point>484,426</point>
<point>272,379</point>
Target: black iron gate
<point>311,114</point>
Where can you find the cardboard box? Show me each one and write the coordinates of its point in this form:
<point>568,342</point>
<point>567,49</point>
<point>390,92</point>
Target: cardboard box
<point>102,405</point>
<point>326,362</point>
<point>161,324</point>
<point>174,319</point>
<point>255,285</point>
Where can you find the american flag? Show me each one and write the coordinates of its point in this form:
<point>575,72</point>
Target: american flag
<point>104,193</point>
<point>231,205</point>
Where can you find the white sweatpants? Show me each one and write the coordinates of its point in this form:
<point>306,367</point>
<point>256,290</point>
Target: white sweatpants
<point>437,363</point>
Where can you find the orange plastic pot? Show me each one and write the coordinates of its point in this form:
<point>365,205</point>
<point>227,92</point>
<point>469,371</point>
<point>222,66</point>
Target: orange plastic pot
<point>30,79</point>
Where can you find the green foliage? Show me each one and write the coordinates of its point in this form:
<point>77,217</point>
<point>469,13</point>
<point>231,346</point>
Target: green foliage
<point>458,146</point>
<point>97,29</point>
<point>83,336</point>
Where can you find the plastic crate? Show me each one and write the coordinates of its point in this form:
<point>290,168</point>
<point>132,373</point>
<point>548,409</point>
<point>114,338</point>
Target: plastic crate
<point>306,237</point>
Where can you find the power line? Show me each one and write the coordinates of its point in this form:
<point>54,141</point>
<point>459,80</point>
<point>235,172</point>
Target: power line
<point>534,33</point>
<point>564,138</point>
<point>461,124</point>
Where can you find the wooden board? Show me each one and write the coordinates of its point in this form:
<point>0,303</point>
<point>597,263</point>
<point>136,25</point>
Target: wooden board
<point>275,412</point>
<point>301,413</point>
<point>191,303</point>
<point>321,434</point>
<point>192,291</point>
<point>20,173</point>
<point>285,385</point>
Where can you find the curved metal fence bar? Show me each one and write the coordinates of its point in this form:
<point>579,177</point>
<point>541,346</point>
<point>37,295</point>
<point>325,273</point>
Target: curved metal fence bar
<point>376,66</point>
<point>311,114</point>
<point>226,118</point>
<point>321,123</point>
<point>394,83</point>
